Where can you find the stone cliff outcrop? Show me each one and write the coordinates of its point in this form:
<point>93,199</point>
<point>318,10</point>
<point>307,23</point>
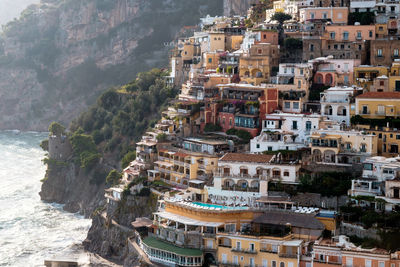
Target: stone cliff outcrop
<point>60,55</point>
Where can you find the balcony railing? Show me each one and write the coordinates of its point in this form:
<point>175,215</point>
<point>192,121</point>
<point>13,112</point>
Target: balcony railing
<point>268,250</point>
<point>288,255</point>
<point>247,251</point>
<point>241,189</point>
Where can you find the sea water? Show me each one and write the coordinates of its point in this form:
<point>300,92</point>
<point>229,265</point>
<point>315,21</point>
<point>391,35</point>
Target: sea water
<point>31,230</point>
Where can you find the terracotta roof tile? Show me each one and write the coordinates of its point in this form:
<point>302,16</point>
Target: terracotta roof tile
<point>241,157</point>
<point>386,95</point>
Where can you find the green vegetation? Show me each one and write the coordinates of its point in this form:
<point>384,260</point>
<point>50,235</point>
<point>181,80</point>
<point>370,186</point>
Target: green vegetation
<point>45,145</point>
<point>316,90</point>
<point>326,184</point>
<point>56,129</point>
<point>281,17</point>
<point>121,115</point>
<point>113,177</point>
<point>242,134</point>
<point>292,44</point>
<point>364,18</point>
<point>85,150</point>
<point>128,158</point>
<point>210,127</point>
<point>162,137</point>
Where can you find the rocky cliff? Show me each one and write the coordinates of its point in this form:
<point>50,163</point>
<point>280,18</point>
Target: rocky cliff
<point>60,55</point>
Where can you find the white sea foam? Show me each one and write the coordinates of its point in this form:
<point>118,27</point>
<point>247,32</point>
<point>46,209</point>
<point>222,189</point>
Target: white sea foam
<point>30,230</point>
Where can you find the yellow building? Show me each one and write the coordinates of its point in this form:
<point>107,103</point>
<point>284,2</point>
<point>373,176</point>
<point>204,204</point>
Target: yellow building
<point>394,78</point>
<point>228,236</point>
<point>388,139</point>
<point>364,75</point>
<point>255,65</point>
<point>346,147</point>
<point>178,167</point>
<point>378,105</point>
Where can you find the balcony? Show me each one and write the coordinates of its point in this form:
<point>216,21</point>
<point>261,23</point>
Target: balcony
<point>247,251</point>
<point>365,112</point>
<point>241,189</point>
<point>228,264</point>
<point>289,256</point>
<point>329,262</point>
<point>380,113</point>
<point>268,250</point>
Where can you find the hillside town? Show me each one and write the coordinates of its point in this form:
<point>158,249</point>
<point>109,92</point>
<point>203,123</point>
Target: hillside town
<point>282,147</point>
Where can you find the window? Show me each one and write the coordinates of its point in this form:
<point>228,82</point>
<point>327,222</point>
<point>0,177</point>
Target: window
<point>259,51</point>
<point>346,79</point>
<point>325,15</point>
<point>346,67</point>
<point>286,173</point>
<point>294,125</point>
<point>397,86</point>
<point>340,15</point>
<point>359,47</point>
<point>238,245</point>
<point>308,126</point>
<point>287,105</point>
<point>398,136</point>
<point>301,71</point>
<point>299,84</point>
<point>282,264</point>
<point>368,263</point>
<point>224,258</point>
<point>332,34</point>
<point>251,262</point>
<point>345,36</point>
<point>379,52</point>
<point>258,146</point>
<point>236,259</point>
<point>396,52</point>
<point>359,35</point>
<point>312,15</point>
<point>209,60</point>
<point>264,263</point>
<point>252,247</point>
<point>370,34</point>
<point>349,262</point>
<point>273,263</point>
<point>295,105</point>
<point>311,47</point>
<point>381,264</point>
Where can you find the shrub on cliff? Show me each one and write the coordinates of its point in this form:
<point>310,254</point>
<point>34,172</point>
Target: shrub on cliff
<point>85,150</point>
<point>56,129</point>
<point>210,127</point>
<point>130,156</point>
<point>113,177</point>
<point>121,115</point>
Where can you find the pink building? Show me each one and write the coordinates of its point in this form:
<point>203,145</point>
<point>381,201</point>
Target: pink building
<point>337,15</point>
<point>334,72</point>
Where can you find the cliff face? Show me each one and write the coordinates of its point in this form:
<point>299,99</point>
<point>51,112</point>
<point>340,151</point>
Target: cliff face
<point>57,58</point>
<point>237,7</point>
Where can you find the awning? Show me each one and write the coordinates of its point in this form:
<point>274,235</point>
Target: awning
<point>186,220</point>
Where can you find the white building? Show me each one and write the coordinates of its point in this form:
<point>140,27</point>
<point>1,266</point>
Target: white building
<point>285,131</point>
<point>336,103</point>
<point>376,170</point>
<point>245,177</point>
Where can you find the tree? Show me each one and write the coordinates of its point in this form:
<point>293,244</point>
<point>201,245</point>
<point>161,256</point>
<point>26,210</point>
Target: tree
<point>128,158</point>
<point>281,17</point>
<point>113,177</point>
<point>56,129</point>
<point>45,145</point>
<point>162,137</point>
